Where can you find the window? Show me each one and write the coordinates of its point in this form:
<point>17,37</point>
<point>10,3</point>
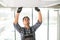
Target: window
<point>47,30</point>
<point>6,24</point>
<point>53,24</point>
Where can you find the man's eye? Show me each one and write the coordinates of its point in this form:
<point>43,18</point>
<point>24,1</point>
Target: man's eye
<point>25,19</point>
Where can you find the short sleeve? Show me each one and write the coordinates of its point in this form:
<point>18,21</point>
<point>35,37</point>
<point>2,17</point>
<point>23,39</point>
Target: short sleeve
<point>17,27</point>
<point>36,25</point>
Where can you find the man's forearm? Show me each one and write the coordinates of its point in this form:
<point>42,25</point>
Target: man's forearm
<point>16,18</point>
<point>39,16</point>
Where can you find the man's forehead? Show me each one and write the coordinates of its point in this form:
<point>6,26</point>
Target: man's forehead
<point>26,18</point>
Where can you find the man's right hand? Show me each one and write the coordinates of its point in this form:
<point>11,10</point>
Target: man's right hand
<point>19,9</point>
<point>37,9</point>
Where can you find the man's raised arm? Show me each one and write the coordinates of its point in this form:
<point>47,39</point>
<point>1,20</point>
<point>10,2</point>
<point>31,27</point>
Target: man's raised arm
<point>16,25</point>
<point>17,15</point>
<point>39,14</point>
<point>39,22</point>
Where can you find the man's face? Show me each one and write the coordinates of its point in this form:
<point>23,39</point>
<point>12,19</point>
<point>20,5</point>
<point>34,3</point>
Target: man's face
<point>26,21</point>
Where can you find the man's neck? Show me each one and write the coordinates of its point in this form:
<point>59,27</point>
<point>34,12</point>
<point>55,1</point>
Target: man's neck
<point>27,26</point>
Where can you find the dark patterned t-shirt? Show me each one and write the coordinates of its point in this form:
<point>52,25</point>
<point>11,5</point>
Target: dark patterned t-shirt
<point>27,34</point>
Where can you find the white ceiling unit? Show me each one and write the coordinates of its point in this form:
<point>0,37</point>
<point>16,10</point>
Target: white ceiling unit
<point>30,3</point>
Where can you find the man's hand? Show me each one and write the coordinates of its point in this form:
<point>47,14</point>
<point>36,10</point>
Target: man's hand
<point>19,9</point>
<point>37,9</point>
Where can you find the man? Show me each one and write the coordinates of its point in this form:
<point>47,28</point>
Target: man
<point>27,32</point>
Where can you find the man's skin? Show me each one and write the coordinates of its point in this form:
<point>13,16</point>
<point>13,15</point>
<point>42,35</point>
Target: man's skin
<point>27,33</point>
<point>26,22</point>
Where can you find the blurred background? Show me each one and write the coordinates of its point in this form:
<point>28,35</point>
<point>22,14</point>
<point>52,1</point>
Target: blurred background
<point>49,30</point>
<point>50,9</point>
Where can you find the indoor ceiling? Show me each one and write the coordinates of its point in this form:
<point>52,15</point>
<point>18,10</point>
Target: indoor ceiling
<point>30,3</point>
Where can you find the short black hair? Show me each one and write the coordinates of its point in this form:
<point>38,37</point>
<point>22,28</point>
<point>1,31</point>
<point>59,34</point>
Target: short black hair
<point>26,17</point>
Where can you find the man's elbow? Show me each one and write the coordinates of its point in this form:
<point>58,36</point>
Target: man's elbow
<point>40,21</point>
<point>15,22</point>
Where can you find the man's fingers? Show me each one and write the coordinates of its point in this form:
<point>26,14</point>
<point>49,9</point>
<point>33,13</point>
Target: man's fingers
<point>37,9</point>
<point>19,9</point>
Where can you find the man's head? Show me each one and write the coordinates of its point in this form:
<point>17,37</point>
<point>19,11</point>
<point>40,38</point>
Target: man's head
<point>26,20</point>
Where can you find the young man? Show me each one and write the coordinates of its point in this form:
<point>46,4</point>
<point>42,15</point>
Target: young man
<point>27,32</point>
